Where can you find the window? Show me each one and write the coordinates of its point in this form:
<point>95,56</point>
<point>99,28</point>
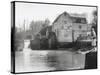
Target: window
<point>79,20</point>
<point>65,22</point>
<point>80,27</point>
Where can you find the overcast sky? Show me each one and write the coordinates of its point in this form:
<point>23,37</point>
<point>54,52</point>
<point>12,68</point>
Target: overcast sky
<point>32,11</point>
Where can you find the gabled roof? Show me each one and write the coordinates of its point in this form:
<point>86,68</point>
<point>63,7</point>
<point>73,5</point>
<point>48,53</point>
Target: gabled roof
<point>64,13</point>
<point>73,17</point>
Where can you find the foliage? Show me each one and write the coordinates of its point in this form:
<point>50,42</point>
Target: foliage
<point>36,26</point>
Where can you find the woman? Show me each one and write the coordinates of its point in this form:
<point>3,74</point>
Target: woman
<point>91,55</point>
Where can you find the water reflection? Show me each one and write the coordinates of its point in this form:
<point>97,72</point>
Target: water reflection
<point>30,61</point>
<point>41,60</point>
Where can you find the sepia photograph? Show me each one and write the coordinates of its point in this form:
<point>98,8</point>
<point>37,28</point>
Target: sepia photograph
<point>49,37</point>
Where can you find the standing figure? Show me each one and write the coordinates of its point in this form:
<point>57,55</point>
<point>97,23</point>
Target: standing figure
<point>91,56</point>
<point>93,35</point>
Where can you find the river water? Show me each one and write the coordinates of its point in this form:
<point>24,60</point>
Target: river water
<point>41,60</point>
